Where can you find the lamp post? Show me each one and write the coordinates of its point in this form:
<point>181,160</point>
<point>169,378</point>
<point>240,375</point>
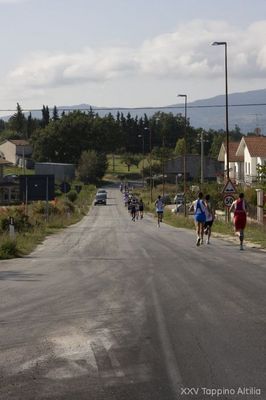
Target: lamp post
<point>226,105</point>
<point>201,157</point>
<point>162,154</point>
<point>185,150</point>
<point>149,129</point>
<point>163,166</point>
<point>143,156</point>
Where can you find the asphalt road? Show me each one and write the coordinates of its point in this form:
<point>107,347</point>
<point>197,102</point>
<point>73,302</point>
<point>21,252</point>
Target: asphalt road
<point>110,309</point>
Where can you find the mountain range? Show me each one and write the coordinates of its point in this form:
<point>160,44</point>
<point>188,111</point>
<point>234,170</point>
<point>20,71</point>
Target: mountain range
<point>246,110</point>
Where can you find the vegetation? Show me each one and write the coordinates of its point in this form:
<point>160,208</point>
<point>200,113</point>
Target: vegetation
<point>142,146</point>
<point>92,166</point>
<point>33,224</point>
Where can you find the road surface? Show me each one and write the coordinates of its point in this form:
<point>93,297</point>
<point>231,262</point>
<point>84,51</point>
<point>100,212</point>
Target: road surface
<point>111,309</point>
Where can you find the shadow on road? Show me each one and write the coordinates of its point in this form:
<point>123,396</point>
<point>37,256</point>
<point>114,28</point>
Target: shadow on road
<point>18,276</point>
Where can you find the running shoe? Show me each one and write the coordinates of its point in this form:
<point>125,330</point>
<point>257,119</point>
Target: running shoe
<point>198,241</point>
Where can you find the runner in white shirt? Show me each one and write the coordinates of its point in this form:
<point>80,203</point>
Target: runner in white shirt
<point>159,204</point>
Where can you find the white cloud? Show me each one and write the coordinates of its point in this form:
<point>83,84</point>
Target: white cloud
<point>12,1</point>
<point>186,53</point>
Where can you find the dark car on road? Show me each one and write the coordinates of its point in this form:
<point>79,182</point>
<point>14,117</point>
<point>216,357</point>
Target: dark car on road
<point>100,198</point>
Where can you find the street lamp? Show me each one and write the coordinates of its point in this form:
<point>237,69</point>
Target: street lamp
<point>143,156</point>
<point>149,129</point>
<point>185,150</point>
<point>226,105</point>
<point>162,154</point>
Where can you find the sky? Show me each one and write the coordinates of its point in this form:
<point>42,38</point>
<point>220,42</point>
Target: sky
<point>128,53</point>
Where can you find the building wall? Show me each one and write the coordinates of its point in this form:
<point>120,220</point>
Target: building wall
<point>14,153</point>
<point>61,172</point>
<point>239,171</point>
<point>212,167</point>
<point>9,151</point>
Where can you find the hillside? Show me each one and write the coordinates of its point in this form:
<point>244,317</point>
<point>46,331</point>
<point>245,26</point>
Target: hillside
<point>247,110</point>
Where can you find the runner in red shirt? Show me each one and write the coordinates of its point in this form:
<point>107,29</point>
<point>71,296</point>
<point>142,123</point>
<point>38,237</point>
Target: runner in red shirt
<point>240,217</point>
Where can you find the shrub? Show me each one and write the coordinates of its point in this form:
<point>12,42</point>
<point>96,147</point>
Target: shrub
<point>8,248</point>
<point>72,196</point>
<point>68,206</point>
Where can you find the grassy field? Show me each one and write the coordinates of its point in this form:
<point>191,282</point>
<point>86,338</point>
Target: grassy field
<point>116,166</point>
<point>118,171</point>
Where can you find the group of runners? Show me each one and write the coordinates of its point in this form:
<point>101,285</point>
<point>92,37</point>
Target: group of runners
<point>204,215</point>
<point>134,205</point>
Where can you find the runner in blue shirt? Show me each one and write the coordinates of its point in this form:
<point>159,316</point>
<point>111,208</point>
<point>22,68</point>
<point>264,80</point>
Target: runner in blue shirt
<point>199,217</point>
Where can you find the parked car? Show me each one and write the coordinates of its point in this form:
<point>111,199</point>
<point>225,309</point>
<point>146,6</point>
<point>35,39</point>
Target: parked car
<point>166,199</point>
<point>100,198</point>
<point>179,198</point>
<point>10,178</point>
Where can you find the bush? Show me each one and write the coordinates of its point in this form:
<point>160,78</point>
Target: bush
<point>21,220</point>
<point>72,196</point>
<point>8,248</point>
<point>68,206</point>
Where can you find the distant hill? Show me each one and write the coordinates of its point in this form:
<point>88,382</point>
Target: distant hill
<point>247,110</point>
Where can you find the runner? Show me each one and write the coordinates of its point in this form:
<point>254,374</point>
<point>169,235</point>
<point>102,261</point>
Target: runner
<point>159,209</point>
<point>240,217</point>
<point>126,199</point>
<point>137,208</point>
<point>200,217</point>
<point>133,209</point>
<point>210,215</point>
<point>141,208</point>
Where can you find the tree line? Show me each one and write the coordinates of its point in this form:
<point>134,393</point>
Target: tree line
<point>64,137</point>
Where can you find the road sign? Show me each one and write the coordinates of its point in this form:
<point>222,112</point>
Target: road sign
<point>65,187</point>
<point>229,187</point>
<point>228,200</point>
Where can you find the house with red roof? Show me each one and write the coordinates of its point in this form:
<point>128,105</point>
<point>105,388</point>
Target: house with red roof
<point>236,162</point>
<point>253,150</point>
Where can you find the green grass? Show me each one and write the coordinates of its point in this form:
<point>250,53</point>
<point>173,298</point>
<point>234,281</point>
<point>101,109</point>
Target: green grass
<point>119,166</point>
<point>118,171</point>
<point>17,171</point>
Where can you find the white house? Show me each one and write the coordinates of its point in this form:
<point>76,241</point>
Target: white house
<point>236,162</point>
<point>253,149</point>
<point>16,151</point>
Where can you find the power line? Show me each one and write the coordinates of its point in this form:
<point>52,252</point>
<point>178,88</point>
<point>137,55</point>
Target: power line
<point>140,108</point>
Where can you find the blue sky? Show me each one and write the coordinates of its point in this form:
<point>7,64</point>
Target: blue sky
<point>128,53</point>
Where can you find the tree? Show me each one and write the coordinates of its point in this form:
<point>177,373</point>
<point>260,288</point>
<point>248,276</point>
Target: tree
<point>30,126</point>
<point>218,139</point>
<point>55,114</point>
<point>180,147</point>
<point>17,122</point>
<point>45,116</point>
<point>130,159</point>
<point>65,139</point>
<point>92,166</point>
<point>2,125</point>
<point>261,170</point>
